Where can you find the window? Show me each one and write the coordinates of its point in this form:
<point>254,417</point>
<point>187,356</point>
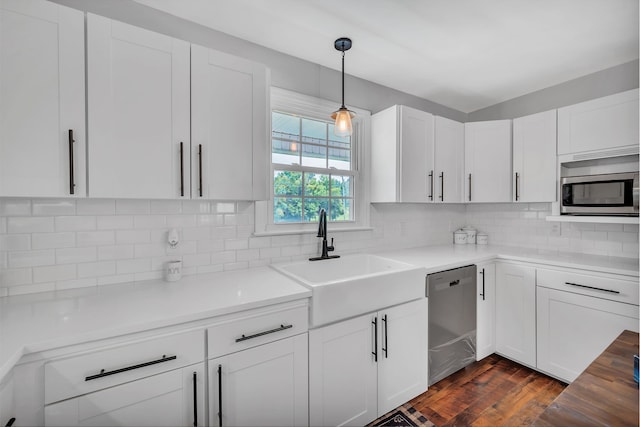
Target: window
<point>311,168</point>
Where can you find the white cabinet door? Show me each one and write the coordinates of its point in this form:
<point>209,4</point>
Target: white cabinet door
<point>41,100</point>
<point>605,123</point>
<point>262,386</point>
<point>534,158</point>
<point>486,310</point>
<point>448,160</point>
<point>402,155</point>
<point>574,329</point>
<point>343,373</point>
<point>138,111</point>
<point>488,161</point>
<point>416,155</point>
<point>516,312</point>
<point>165,399</point>
<point>229,117</point>
<point>403,355</point>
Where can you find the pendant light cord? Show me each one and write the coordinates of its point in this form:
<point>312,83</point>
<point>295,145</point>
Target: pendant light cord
<point>343,80</point>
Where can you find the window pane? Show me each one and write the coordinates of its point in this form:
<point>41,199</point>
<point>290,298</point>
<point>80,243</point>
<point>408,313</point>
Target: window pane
<point>314,156</point>
<point>285,126</point>
<point>340,210</point>
<point>339,159</point>
<point>287,183</point>
<point>316,185</point>
<point>338,141</point>
<point>312,208</point>
<point>314,131</point>
<point>285,152</point>
<point>340,185</point>
<point>287,209</point>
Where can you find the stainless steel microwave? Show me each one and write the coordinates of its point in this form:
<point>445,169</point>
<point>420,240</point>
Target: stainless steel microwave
<point>607,194</point>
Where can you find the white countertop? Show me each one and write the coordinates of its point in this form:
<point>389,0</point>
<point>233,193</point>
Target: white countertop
<point>438,258</point>
<point>49,320</point>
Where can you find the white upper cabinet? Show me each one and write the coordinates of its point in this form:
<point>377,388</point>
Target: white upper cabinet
<point>448,160</point>
<point>608,123</point>
<point>488,161</point>
<point>402,155</point>
<point>534,158</point>
<point>42,114</point>
<point>138,111</point>
<point>229,126</point>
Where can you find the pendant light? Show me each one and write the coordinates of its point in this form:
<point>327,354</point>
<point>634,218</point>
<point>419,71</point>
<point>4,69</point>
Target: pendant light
<point>343,115</point>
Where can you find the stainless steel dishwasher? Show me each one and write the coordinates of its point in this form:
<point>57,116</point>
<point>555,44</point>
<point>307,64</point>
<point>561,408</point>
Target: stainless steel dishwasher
<point>452,321</point>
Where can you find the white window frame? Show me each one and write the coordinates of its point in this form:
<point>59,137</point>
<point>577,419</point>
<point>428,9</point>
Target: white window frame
<point>290,102</point>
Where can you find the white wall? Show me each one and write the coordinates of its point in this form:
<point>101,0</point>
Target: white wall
<point>58,244</point>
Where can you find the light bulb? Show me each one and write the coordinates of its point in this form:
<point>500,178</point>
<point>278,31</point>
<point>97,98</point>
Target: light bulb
<point>343,125</point>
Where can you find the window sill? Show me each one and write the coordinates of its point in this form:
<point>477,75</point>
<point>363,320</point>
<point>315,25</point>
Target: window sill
<point>301,231</point>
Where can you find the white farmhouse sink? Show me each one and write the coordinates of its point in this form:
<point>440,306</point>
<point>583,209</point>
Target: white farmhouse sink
<point>355,284</point>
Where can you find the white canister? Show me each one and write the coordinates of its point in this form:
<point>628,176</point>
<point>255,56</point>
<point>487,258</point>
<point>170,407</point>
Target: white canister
<point>460,237</point>
<point>482,239</point>
<point>173,271</point>
<point>471,235</point>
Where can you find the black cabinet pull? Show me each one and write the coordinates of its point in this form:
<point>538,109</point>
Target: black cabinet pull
<point>431,185</point>
<point>195,399</point>
<point>611,291</point>
<point>482,294</point>
<point>200,168</point>
<point>220,395</point>
<point>259,334</point>
<point>10,423</point>
<point>386,338</point>
<point>442,186</point>
<point>517,186</point>
<point>104,373</point>
<point>72,183</point>
<point>181,170</point>
<point>469,187</point>
<point>374,322</point>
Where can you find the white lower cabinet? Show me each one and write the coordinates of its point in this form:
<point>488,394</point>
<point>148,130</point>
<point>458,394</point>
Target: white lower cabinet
<point>7,405</point>
<point>516,312</point>
<point>174,398</point>
<point>574,325</point>
<point>486,310</point>
<point>363,367</point>
<point>263,386</point>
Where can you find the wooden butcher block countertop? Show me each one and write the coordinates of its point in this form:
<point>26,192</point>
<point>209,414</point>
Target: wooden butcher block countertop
<point>604,394</point>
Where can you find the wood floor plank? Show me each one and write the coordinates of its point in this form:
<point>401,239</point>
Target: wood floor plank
<point>492,392</point>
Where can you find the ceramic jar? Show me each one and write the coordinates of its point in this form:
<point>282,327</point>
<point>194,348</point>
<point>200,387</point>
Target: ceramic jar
<point>471,235</point>
<point>482,239</point>
<point>460,237</point>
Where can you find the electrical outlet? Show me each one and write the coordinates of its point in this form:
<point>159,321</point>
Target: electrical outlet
<point>555,229</point>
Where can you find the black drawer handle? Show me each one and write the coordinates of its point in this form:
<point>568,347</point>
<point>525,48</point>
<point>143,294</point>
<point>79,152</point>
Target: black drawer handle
<point>259,334</point>
<point>72,182</point>
<point>10,423</point>
<point>104,373</point>
<point>611,291</point>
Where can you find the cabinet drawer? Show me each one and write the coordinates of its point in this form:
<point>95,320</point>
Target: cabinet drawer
<point>256,328</point>
<point>107,367</point>
<point>605,287</point>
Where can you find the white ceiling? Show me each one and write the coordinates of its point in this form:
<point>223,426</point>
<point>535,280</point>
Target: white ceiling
<point>465,54</point>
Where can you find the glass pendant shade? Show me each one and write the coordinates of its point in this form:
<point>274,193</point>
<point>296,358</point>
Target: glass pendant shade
<point>343,122</point>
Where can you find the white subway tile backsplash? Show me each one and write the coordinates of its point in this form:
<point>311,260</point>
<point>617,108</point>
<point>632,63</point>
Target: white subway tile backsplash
<point>53,240</point>
<point>149,221</point>
<point>148,250</point>
<point>112,280</point>
<point>95,238</point>
<point>15,277</point>
<point>15,242</point>
<point>44,207</point>
<point>76,255</point>
<point>223,257</point>
<point>133,266</point>
<point>24,224</point>
<point>196,260</point>
<point>235,244</point>
<point>166,206</point>
<point>133,236</point>
<point>225,208</point>
<point>96,269</point>
<point>181,221</point>
<point>209,245</point>
<point>115,252</point>
<point>76,283</point>
<point>133,207</point>
<point>54,273</point>
<point>15,207</point>
<point>75,223</point>
<point>31,258</point>
<point>31,289</point>
<point>95,207</point>
<point>114,222</point>
<point>195,207</point>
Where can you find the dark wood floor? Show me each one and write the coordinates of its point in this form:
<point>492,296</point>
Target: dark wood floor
<point>492,392</point>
